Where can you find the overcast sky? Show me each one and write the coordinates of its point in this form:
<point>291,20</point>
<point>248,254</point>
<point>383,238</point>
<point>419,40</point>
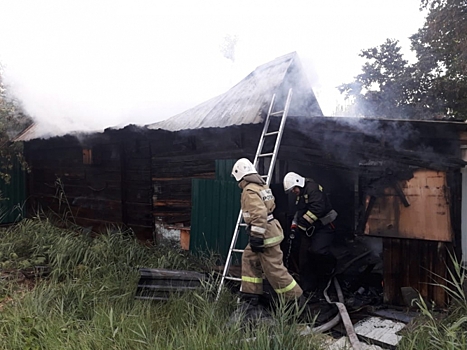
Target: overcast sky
<point>87,65</point>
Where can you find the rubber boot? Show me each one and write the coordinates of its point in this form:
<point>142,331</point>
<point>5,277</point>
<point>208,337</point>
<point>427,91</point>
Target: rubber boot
<point>292,307</point>
<point>302,301</point>
<point>249,311</point>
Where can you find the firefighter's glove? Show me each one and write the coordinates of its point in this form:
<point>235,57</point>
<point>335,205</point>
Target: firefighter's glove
<point>302,225</point>
<point>256,244</point>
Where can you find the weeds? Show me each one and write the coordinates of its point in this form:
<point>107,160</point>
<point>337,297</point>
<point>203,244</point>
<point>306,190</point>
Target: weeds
<point>442,332</point>
<point>87,301</point>
<point>63,203</point>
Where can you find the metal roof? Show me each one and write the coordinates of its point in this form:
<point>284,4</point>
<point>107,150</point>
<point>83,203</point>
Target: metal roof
<point>27,134</point>
<point>245,102</point>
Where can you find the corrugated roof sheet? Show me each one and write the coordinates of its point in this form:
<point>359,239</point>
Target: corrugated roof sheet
<point>245,102</point>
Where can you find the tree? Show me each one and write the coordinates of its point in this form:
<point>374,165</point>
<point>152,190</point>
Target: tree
<point>435,86</point>
<point>384,88</point>
<point>441,48</point>
<point>12,121</point>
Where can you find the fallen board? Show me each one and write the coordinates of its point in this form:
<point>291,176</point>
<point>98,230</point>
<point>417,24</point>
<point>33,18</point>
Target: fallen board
<point>160,284</point>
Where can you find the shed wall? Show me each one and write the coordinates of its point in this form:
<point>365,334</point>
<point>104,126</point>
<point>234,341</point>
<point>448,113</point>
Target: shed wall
<point>132,177</point>
<point>13,195</point>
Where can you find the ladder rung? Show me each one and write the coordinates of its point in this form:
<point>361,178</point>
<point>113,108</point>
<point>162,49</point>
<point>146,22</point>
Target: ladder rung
<point>265,155</point>
<point>264,176</point>
<point>238,250</point>
<point>277,113</point>
<point>271,133</point>
<point>243,224</point>
<point>233,278</point>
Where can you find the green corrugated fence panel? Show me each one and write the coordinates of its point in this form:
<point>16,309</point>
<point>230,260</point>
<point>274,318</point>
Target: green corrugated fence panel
<point>13,195</point>
<point>224,169</point>
<point>215,208</point>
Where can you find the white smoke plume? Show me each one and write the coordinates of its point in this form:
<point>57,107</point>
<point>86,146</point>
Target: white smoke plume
<point>87,65</point>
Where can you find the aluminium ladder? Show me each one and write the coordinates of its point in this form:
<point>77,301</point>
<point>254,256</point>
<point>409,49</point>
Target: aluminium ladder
<point>259,155</point>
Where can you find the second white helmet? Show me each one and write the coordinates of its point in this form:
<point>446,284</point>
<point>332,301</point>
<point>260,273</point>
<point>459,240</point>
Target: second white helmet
<point>241,168</point>
<point>291,180</point>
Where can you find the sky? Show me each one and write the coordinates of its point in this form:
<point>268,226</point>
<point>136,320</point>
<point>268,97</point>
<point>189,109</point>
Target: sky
<point>81,65</point>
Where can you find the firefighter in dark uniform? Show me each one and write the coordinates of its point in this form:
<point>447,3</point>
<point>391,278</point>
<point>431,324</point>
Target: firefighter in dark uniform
<point>263,253</point>
<point>313,223</point>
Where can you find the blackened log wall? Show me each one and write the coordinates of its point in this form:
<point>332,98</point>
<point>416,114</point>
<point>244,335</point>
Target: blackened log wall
<point>177,158</point>
<point>132,176</point>
<point>135,176</point>
<point>60,181</point>
<point>96,180</point>
<point>136,186</point>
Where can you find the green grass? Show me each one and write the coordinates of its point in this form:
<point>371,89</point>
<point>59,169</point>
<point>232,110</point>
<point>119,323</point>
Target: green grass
<point>446,330</point>
<point>87,301</point>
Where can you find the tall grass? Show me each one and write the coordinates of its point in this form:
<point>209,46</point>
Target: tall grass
<point>442,331</point>
<point>87,301</point>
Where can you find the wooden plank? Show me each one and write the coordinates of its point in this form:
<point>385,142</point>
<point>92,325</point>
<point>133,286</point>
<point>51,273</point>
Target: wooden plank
<point>427,217</point>
<point>413,263</point>
<point>172,203</point>
<point>173,217</point>
<point>392,271</point>
<point>208,175</point>
<point>438,273</point>
<point>141,175</point>
<point>137,195</point>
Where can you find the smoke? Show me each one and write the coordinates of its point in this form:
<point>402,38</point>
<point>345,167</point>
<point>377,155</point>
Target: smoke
<point>393,134</point>
<point>228,47</point>
<point>88,65</point>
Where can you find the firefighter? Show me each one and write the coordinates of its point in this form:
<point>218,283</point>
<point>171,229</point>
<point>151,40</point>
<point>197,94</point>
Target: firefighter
<point>313,223</point>
<point>263,252</point>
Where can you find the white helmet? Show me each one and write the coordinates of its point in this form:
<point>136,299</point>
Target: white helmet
<point>291,180</point>
<point>241,168</point>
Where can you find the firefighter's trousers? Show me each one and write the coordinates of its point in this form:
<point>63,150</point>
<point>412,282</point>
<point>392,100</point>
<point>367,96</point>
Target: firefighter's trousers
<point>270,262</point>
<point>316,258</point>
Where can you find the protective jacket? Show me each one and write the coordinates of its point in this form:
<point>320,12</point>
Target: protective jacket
<point>257,203</point>
<point>311,205</point>
<point>313,214</point>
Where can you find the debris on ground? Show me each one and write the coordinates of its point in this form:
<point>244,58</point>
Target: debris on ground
<point>344,344</point>
<point>159,284</point>
<point>379,330</point>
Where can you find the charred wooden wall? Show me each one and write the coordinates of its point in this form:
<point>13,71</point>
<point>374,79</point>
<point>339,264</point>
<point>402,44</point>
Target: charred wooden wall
<point>96,180</point>
<point>374,155</point>
<point>179,157</point>
<point>132,176</point>
<point>136,176</point>
<point>416,264</point>
<point>80,178</point>
<point>136,185</point>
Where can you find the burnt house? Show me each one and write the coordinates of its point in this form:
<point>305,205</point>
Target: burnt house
<point>396,184</point>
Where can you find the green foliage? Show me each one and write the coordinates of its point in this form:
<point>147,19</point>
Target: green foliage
<point>12,121</point>
<point>433,87</point>
<point>438,331</point>
<point>441,48</point>
<point>382,90</point>
<point>87,300</point>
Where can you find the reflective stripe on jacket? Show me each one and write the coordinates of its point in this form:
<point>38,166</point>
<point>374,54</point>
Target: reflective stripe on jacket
<point>312,204</point>
<point>257,203</point>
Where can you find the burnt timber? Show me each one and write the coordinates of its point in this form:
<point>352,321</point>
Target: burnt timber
<point>136,176</point>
